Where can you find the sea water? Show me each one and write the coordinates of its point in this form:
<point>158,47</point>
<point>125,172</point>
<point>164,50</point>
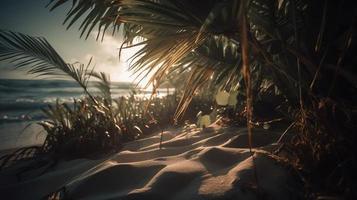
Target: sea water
<point>21,102</point>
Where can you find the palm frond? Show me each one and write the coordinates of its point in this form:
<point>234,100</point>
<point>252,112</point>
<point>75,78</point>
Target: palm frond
<point>101,13</point>
<point>38,57</point>
<point>34,52</point>
<point>196,81</point>
<point>103,83</point>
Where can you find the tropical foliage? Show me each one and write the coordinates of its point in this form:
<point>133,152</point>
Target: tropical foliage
<point>299,51</point>
<point>85,128</point>
<point>96,123</point>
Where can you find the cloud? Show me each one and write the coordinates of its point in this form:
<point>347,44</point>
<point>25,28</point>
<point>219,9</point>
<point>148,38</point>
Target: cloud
<point>106,58</point>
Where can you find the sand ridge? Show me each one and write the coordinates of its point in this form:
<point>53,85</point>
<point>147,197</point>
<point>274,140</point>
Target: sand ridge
<point>192,164</point>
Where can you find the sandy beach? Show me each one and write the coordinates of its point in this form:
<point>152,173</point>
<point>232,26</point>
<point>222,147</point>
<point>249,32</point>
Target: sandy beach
<point>214,163</point>
<point>178,100</point>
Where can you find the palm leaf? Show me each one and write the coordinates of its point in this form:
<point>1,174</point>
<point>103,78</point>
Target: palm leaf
<point>24,51</point>
<point>101,13</point>
<point>38,57</point>
<point>103,84</point>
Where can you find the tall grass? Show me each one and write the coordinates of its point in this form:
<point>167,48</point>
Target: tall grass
<point>96,123</point>
<point>86,127</point>
<point>303,49</point>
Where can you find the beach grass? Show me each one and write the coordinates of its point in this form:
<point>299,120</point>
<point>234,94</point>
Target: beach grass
<point>292,58</point>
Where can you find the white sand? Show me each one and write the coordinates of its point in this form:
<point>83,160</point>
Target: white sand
<point>20,134</point>
<point>211,164</point>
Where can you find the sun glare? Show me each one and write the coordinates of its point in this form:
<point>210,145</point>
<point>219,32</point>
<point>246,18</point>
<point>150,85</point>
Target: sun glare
<point>106,59</point>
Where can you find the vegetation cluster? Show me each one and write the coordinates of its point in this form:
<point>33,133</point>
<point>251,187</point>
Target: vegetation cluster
<point>290,59</point>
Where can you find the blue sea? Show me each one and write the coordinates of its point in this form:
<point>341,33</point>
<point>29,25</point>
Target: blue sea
<point>21,102</point>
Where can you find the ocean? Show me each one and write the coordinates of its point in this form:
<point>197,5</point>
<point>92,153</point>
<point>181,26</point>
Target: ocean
<point>21,102</point>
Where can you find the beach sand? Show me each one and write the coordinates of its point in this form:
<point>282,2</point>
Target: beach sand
<point>193,164</point>
<point>20,134</point>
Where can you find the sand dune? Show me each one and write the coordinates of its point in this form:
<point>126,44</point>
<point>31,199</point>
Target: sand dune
<point>195,164</point>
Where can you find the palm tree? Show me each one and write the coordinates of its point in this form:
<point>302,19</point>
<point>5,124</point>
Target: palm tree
<point>285,40</point>
<point>304,48</point>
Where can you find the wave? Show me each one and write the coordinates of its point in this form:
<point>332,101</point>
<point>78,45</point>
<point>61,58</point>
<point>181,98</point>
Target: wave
<point>21,118</point>
<point>9,84</point>
<point>20,97</point>
<point>14,106</point>
<point>33,83</point>
<point>31,104</point>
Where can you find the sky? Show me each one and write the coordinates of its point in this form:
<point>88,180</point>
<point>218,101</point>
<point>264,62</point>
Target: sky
<point>31,17</point>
